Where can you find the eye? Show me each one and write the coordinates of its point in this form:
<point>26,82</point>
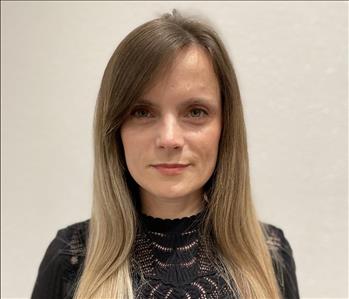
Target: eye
<point>140,113</point>
<point>197,112</point>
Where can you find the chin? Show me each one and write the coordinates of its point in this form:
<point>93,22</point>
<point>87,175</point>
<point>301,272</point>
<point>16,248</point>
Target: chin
<point>170,192</point>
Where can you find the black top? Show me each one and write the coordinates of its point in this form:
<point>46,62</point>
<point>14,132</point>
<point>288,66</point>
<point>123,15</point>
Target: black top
<point>169,254</point>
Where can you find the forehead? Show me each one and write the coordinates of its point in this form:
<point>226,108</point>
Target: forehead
<point>190,74</point>
<point>192,59</point>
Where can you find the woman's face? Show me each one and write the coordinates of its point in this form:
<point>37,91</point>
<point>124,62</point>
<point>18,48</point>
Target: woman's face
<point>172,134</point>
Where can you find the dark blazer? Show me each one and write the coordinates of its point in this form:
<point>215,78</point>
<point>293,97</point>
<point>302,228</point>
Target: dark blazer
<point>63,262</point>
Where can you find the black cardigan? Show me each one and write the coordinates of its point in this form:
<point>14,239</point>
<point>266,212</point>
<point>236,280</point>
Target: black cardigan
<point>167,252</point>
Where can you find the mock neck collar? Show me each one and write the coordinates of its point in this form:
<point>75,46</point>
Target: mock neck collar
<point>177,225</point>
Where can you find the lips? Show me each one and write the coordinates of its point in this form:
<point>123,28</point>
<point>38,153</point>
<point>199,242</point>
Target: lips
<point>167,165</point>
<point>170,169</point>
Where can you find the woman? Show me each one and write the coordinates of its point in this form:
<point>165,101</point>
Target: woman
<point>172,215</point>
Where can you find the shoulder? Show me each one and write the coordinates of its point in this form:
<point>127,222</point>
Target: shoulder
<point>62,262</point>
<point>69,245</point>
<point>278,245</point>
<point>282,258</point>
<point>275,238</point>
<point>73,238</point>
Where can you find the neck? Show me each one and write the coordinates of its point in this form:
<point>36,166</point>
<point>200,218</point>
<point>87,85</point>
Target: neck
<point>171,208</point>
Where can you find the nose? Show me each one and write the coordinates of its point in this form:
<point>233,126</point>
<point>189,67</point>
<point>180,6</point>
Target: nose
<point>169,135</point>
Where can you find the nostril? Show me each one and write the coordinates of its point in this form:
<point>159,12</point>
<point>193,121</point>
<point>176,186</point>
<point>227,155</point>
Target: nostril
<point>171,143</point>
<point>169,134</point>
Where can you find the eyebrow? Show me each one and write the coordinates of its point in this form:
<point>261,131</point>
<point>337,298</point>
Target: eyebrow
<point>187,102</point>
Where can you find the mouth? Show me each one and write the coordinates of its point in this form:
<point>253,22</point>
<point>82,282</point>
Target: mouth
<point>170,169</point>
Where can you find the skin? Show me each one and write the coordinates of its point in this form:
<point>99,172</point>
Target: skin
<point>166,126</point>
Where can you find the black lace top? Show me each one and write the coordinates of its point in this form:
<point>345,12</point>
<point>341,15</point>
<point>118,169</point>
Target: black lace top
<point>174,262</point>
<point>168,261</point>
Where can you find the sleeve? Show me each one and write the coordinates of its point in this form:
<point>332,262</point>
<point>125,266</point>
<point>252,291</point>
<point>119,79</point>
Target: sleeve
<point>49,282</point>
<point>290,285</point>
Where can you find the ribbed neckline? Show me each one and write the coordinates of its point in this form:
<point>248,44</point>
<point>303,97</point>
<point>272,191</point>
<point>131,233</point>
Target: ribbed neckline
<point>178,225</point>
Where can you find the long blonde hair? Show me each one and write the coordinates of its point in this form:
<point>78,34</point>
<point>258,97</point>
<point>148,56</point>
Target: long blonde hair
<point>237,235</point>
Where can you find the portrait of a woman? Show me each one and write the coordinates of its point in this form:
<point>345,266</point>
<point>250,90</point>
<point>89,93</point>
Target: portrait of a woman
<point>172,214</point>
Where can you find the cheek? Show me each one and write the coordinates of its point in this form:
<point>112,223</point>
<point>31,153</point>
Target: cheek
<point>207,147</point>
<point>129,145</point>
<point>211,149</point>
<point>134,144</point>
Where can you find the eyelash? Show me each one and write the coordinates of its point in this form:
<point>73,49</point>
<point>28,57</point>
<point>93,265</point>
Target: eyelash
<point>137,110</point>
<point>203,111</point>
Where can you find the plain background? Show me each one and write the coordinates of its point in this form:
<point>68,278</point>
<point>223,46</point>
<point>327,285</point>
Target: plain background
<point>291,61</point>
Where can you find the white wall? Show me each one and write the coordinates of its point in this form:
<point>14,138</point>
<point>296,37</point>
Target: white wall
<point>291,60</point>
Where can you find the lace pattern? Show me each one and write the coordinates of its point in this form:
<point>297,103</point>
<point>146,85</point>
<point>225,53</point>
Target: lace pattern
<point>172,263</point>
